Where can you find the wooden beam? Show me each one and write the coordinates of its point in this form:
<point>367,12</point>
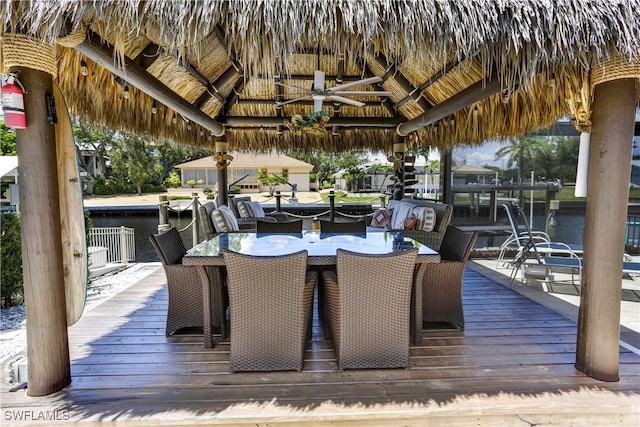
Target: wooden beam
<point>147,83</point>
<point>213,88</point>
<point>49,368</point>
<point>148,56</point>
<point>279,96</point>
<point>210,90</point>
<point>418,92</point>
<point>309,77</point>
<point>373,122</point>
<point>233,96</point>
<point>386,102</point>
<point>339,78</point>
<point>606,215</point>
<point>232,55</point>
<point>473,93</point>
<point>403,82</point>
<point>300,102</point>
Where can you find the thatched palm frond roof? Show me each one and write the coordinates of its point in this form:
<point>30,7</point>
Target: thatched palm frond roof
<point>223,58</point>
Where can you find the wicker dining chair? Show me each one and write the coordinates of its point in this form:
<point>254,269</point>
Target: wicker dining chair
<point>278,227</point>
<point>270,300</point>
<point>185,284</point>
<point>347,227</point>
<point>442,285</point>
<point>368,303</point>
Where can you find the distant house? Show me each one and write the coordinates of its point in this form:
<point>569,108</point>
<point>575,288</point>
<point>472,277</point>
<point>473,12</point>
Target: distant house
<point>92,161</point>
<point>8,176</point>
<point>243,170</point>
<point>467,174</point>
<point>375,178</point>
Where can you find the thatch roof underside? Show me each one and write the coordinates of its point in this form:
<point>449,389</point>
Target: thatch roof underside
<point>223,59</point>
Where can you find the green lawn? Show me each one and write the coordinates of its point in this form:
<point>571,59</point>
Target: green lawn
<point>341,197</point>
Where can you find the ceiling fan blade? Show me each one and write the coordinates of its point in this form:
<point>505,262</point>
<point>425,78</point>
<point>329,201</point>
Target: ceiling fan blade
<point>362,92</point>
<point>344,86</point>
<point>306,90</point>
<point>344,100</point>
<point>317,104</point>
<point>318,80</point>
<point>291,101</point>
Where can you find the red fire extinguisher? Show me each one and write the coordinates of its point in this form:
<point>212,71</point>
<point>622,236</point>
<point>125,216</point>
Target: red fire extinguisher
<point>12,101</point>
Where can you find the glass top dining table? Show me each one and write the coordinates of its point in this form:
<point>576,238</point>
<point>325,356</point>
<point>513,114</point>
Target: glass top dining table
<point>321,247</point>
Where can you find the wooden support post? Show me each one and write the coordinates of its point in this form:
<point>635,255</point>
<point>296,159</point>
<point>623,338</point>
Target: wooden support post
<point>446,194</point>
<point>221,147</point>
<point>163,211</point>
<point>44,293</point>
<point>332,205</point>
<point>278,201</point>
<point>607,198</point>
<point>194,217</point>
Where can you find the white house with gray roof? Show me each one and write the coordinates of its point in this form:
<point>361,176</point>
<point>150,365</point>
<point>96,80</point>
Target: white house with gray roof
<point>245,167</point>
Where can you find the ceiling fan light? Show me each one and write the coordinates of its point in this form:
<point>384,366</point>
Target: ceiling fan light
<point>83,68</point>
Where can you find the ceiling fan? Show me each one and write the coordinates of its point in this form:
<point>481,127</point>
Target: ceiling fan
<point>336,93</point>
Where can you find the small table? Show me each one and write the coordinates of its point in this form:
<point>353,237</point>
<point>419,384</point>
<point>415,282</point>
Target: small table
<point>321,248</point>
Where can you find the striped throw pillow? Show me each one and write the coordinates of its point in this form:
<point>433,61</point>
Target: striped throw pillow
<point>250,209</point>
<point>223,220</point>
<point>244,210</point>
<point>426,218</point>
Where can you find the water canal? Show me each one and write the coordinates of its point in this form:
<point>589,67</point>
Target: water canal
<point>569,229</point>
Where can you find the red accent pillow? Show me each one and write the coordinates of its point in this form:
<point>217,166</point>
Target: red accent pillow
<point>410,222</point>
<point>381,218</point>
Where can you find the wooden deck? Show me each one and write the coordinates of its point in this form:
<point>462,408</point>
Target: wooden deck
<point>513,365</point>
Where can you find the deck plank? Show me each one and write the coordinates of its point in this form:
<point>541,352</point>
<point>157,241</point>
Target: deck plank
<point>514,361</point>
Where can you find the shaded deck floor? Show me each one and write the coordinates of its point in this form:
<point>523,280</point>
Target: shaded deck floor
<point>512,365</point>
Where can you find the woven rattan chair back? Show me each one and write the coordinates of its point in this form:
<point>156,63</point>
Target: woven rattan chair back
<point>457,244</point>
<point>442,285</point>
<point>368,305</point>
<point>351,227</point>
<point>267,227</point>
<point>270,300</point>
<point>185,308</point>
<point>169,246</point>
<point>205,210</point>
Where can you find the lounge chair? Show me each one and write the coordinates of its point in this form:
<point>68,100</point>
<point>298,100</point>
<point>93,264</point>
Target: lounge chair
<point>531,246</point>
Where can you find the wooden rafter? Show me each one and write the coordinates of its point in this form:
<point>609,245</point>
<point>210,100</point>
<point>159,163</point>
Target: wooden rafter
<point>404,83</point>
<point>470,95</point>
<point>413,96</point>
<point>273,121</point>
<point>103,54</point>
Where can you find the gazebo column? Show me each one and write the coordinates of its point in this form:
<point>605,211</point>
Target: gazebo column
<point>44,292</point>
<point>221,148</point>
<point>608,194</point>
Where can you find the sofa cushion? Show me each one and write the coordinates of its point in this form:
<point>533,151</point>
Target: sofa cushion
<point>410,222</point>
<point>250,209</point>
<point>381,218</point>
<point>401,211</point>
<point>234,204</point>
<point>426,218</point>
<point>224,220</point>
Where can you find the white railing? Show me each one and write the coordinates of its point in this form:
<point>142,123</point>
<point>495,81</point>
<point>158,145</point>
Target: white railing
<point>119,241</point>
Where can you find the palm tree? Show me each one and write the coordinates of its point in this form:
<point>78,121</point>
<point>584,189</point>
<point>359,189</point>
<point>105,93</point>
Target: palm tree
<point>523,151</point>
